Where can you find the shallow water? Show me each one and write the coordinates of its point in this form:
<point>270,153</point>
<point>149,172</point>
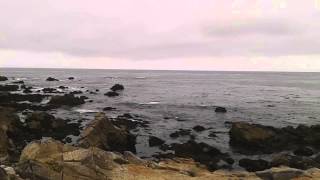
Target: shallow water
<point>170,100</point>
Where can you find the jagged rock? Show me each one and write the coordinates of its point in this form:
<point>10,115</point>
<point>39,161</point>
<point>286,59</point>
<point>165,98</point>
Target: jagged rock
<point>51,79</point>
<point>111,94</point>
<point>220,110</point>
<point>3,78</point>
<point>199,128</point>
<point>104,134</point>
<point>155,141</point>
<point>254,165</point>
<point>9,87</point>
<point>67,100</point>
<point>117,87</point>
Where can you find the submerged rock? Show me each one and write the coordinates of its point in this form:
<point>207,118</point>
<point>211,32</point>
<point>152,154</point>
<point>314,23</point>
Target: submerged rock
<point>117,87</point>
<point>220,110</point>
<point>104,134</point>
<point>199,128</point>
<point>71,78</point>
<point>3,78</point>
<point>51,79</point>
<point>67,100</point>
<point>155,141</point>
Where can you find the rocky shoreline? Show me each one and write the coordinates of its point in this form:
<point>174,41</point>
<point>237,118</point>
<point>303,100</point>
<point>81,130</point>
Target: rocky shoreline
<point>35,146</point>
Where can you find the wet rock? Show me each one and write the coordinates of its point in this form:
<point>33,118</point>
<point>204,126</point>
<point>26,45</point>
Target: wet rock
<point>293,161</point>
<point>76,92</point>
<point>70,78</point>
<point>9,97</point>
<point>63,87</point>
<point>9,87</point>
<point>111,94</point>
<point>200,152</point>
<point>51,79</point>
<point>212,134</point>
<point>50,90</point>
<point>155,141</point>
<point>66,100</point>
<point>41,124</point>
<point>109,108</point>
<point>117,87</point>
<point>126,121</point>
<point>18,82</point>
<point>220,110</point>
<point>3,78</point>
<point>180,132</point>
<point>104,134</point>
<point>199,128</point>
<point>254,165</point>
<point>283,173</point>
<point>304,151</point>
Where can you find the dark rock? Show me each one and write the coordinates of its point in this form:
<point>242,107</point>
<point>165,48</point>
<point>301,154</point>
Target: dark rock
<point>200,152</point>
<point>3,78</point>
<point>67,100</point>
<point>42,124</point>
<point>254,165</point>
<point>127,122</point>
<point>9,87</point>
<point>220,110</point>
<point>9,97</point>
<point>50,90</point>
<point>304,151</point>
<point>294,162</point>
<point>155,141</point>
<point>109,108</point>
<point>199,128</point>
<point>18,82</point>
<point>104,134</point>
<point>63,87</point>
<point>76,92</point>
<point>51,79</point>
<point>111,94</point>
<point>117,87</point>
<point>212,134</point>
<point>180,132</point>
<point>71,78</point>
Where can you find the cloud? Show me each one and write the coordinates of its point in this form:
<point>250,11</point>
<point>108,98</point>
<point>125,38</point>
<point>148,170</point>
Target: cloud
<point>144,29</point>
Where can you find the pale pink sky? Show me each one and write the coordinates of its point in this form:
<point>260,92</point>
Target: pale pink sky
<point>266,35</point>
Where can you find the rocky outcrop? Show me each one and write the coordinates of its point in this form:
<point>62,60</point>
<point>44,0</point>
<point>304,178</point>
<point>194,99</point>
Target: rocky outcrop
<point>3,78</point>
<point>256,139</point>
<point>66,100</point>
<point>6,97</point>
<point>102,133</point>
<point>41,124</point>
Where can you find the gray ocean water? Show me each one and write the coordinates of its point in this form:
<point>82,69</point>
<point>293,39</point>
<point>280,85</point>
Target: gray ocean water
<point>171,100</point>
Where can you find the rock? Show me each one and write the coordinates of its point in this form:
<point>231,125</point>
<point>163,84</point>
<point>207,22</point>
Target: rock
<point>212,134</point>
<point>283,173</point>
<point>180,132</point>
<point>254,165</point>
<point>220,110</point>
<point>126,121</point>
<point>111,94</point>
<point>18,82</point>
<point>9,97</point>
<point>3,78</point>
<point>304,151</point>
<point>293,161</point>
<point>76,92</point>
<point>66,100</point>
<point>102,133</point>
<point>63,87</point>
<point>200,152</point>
<point>9,87</point>
<point>109,109</point>
<point>51,79</point>
<point>155,141</point>
<point>42,124</point>
<point>71,78</point>
<point>199,128</point>
<point>117,87</point>
<point>50,90</point>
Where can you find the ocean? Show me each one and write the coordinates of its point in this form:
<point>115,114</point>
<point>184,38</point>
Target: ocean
<point>172,100</point>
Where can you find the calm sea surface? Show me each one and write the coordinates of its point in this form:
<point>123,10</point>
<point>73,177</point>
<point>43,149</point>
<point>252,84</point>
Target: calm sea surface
<point>171,100</point>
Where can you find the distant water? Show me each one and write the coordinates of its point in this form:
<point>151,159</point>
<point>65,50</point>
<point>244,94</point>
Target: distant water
<point>170,100</point>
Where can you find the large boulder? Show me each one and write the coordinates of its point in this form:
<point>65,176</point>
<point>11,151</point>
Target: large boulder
<point>41,124</point>
<point>102,133</point>
<point>67,100</point>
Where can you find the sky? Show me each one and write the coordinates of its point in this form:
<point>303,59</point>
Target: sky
<point>231,35</point>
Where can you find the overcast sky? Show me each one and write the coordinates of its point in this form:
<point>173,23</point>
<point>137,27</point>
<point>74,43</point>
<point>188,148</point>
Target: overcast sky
<point>267,35</point>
